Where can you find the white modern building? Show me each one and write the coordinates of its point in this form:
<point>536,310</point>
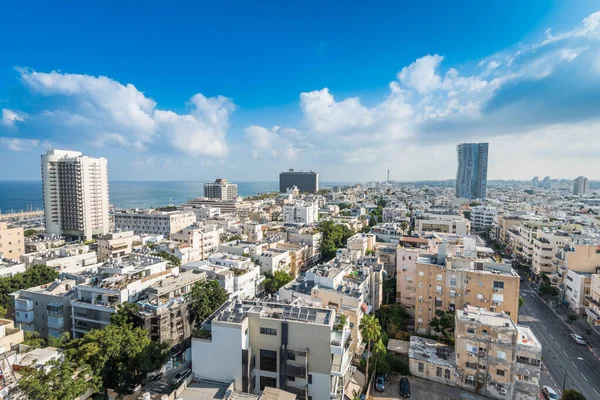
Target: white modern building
<point>205,239</point>
<point>221,189</point>
<point>151,222</point>
<point>75,190</point>
<point>303,212</point>
<point>482,217</point>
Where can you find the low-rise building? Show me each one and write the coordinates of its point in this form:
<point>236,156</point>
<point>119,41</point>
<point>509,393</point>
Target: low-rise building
<point>9,335</point>
<point>273,260</point>
<point>254,344</point>
<point>12,241</point>
<point>482,218</point>
<point>299,256</point>
<point>303,212</point>
<point>10,267</point>
<point>152,222</point>
<point>443,223</point>
<point>362,242</point>
<point>204,239</point>
<point>307,236</point>
<point>577,289</point>
<point>63,259</point>
<point>592,310</point>
<point>116,244</point>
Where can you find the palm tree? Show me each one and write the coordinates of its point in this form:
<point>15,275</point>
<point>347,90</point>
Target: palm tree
<point>403,226</point>
<point>370,331</point>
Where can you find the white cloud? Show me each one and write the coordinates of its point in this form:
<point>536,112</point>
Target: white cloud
<point>273,143</point>
<point>16,144</point>
<point>103,112</point>
<point>10,117</point>
<point>422,74</point>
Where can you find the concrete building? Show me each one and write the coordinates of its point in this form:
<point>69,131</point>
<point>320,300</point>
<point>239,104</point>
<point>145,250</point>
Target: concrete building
<point>482,218</point>
<point>9,336</point>
<point>205,239</point>
<point>254,231</point>
<point>471,174</point>
<point>45,309</point>
<point>304,181</point>
<point>119,281</point>
<point>406,266</point>
<point>75,189</point>
<point>12,241</point>
<point>443,223</point>
<point>63,259</point>
<point>394,214</point>
<point>493,353</point>
<point>164,313</point>
<point>221,189</point>
<point>546,182</point>
<point>273,260</point>
<point>592,310</point>
<point>362,242</point>
<point>239,276</point>
<point>224,206</point>
<point>307,236</point>
<point>578,286</point>
<point>116,244</point>
<point>300,349</point>
<point>581,185</point>
<point>203,212</point>
<point>303,212</point>
<point>441,282</point>
<point>389,232</point>
<point>151,222</point>
<point>10,267</point>
<point>299,256</point>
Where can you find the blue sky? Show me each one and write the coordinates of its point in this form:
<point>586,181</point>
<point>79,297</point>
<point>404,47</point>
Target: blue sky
<point>189,91</point>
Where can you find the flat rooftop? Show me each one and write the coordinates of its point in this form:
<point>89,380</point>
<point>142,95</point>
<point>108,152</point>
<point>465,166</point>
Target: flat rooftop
<point>236,312</point>
<point>431,351</point>
<point>172,283</point>
<point>481,316</point>
<point>527,337</point>
<point>56,288</point>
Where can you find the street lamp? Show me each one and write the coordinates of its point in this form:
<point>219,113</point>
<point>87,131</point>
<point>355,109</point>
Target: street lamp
<point>565,370</point>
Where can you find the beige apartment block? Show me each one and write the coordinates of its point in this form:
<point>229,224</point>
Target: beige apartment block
<point>450,283</point>
<point>406,266</point>
<point>496,357</point>
<point>592,310</point>
<point>545,247</point>
<point>116,244</point>
<point>503,225</point>
<point>204,239</point>
<point>12,242</point>
<point>582,258</point>
<point>9,335</point>
<point>299,256</point>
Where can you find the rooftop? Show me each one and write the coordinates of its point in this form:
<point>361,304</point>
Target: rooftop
<point>236,312</point>
<point>481,316</point>
<point>431,351</point>
<point>174,282</point>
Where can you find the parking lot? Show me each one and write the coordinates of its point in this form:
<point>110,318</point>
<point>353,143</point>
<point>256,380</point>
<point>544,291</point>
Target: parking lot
<point>421,389</point>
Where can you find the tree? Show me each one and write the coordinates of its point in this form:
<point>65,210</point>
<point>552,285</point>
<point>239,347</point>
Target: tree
<point>572,394</point>
<point>573,317</point>
<point>59,380</point>
<point>276,281</point>
<point>380,358</point>
<point>444,323</point>
<point>204,299</point>
<point>334,237</point>
<point>171,258</point>
<point>546,289</point>
<point>125,314</point>
<point>121,356</point>
<point>370,331</point>
<point>521,302</point>
<point>30,232</point>
<point>34,276</point>
<point>60,342</point>
<point>33,339</point>
<point>404,226</point>
<point>392,317</point>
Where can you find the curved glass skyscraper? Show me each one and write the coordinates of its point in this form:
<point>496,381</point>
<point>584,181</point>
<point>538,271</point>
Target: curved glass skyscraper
<point>471,174</point>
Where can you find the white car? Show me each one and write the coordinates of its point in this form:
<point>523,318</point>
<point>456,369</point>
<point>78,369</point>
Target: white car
<point>577,338</point>
<point>549,393</point>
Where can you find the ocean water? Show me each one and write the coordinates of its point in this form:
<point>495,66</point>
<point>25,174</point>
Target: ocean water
<point>27,195</point>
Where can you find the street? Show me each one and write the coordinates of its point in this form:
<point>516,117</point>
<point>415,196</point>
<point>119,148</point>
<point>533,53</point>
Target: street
<point>559,348</point>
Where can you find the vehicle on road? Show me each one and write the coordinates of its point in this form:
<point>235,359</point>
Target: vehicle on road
<point>404,387</point>
<point>180,377</point>
<point>549,393</point>
<point>577,338</point>
<point>380,383</point>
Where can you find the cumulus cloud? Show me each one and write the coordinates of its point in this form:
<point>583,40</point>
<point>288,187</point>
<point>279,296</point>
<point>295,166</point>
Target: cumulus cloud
<point>274,143</point>
<point>16,144</point>
<point>102,111</point>
<point>10,117</point>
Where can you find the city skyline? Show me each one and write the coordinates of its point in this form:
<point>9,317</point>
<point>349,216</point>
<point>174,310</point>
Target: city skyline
<point>358,107</point>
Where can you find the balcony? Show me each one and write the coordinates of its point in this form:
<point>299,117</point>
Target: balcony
<point>24,305</point>
<point>56,323</point>
<point>24,317</point>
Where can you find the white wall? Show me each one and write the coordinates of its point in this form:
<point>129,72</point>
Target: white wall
<point>320,387</point>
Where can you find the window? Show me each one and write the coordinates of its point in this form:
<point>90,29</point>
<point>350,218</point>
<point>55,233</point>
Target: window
<point>471,365</point>
<point>452,293</point>
<point>480,283</point>
<point>439,277</point>
<point>291,378</point>
<point>310,379</point>
<point>498,285</point>
<point>420,308</point>
<point>485,332</point>
<point>268,331</point>
<point>420,285</point>
<point>421,273</point>
<point>421,367</point>
<point>501,354</point>
<point>447,374</point>
<point>453,281</point>
<point>500,372</point>
<point>266,381</point>
<point>268,360</point>
<point>291,356</point>
<point>438,372</point>
<point>471,331</point>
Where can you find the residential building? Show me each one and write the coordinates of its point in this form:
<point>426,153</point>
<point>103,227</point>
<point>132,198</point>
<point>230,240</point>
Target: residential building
<point>299,256</point>
<point>447,282</point>
<point>254,231</point>
<point>12,241</point>
<point>303,212</point>
<point>482,218</point>
<point>362,242</point>
<point>239,276</point>
<point>389,232</point>
<point>46,309</point>
<point>9,336</point>
<point>224,206</point>
<point>304,181</point>
<point>502,224</point>
<point>307,236</point>
<point>581,185</point>
<point>242,248</point>
<point>592,310</point>
<point>406,271</point>
<point>443,223</point>
<point>63,259</point>
<point>546,182</point>
<point>273,260</point>
<point>493,353</point>
<point>119,281</point>
<point>164,312</point>
<point>152,222</point>
<point>578,286</point>
<point>393,214</point>
<point>75,190</point>
<point>221,189</point>
<point>10,267</point>
<point>582,258</point>
<point>199,237</point>
<point>386,253</point>
<point>116,244</point>
<point>255,344</point>
<point>471,174</point>
<point>203,212</point>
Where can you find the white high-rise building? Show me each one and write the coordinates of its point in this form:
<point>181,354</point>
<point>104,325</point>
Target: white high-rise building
<point>75,194</point>
<point>482,217</point>
<point>581,185</point>
<point>221,189</point>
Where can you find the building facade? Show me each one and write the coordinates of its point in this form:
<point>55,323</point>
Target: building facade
<point>12,242</point>
<point>154,222</point>
<point>305,181</point>
<point>482,218</point>
<point>75,189</point>
<point>471,174</point>
<point>302,212</point>
<point>221,189</point>
<point>116,244</point>
<point>581,185</point>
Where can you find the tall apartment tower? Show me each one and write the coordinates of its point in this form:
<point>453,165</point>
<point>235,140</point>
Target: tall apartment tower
<point>305,181</point>
<point>581,185</point>
<point>471,174</point>
<point>221,189</point>
<point>75,191</point>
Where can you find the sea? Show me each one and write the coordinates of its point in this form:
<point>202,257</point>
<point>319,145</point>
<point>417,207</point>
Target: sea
<point>16,196</point>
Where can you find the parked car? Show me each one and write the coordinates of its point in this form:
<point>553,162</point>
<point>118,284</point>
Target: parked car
<point>404,387</point>
<point>181,376</point>
<point>577,338</point>
<point>549,393</point>
<point>380,383</point>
